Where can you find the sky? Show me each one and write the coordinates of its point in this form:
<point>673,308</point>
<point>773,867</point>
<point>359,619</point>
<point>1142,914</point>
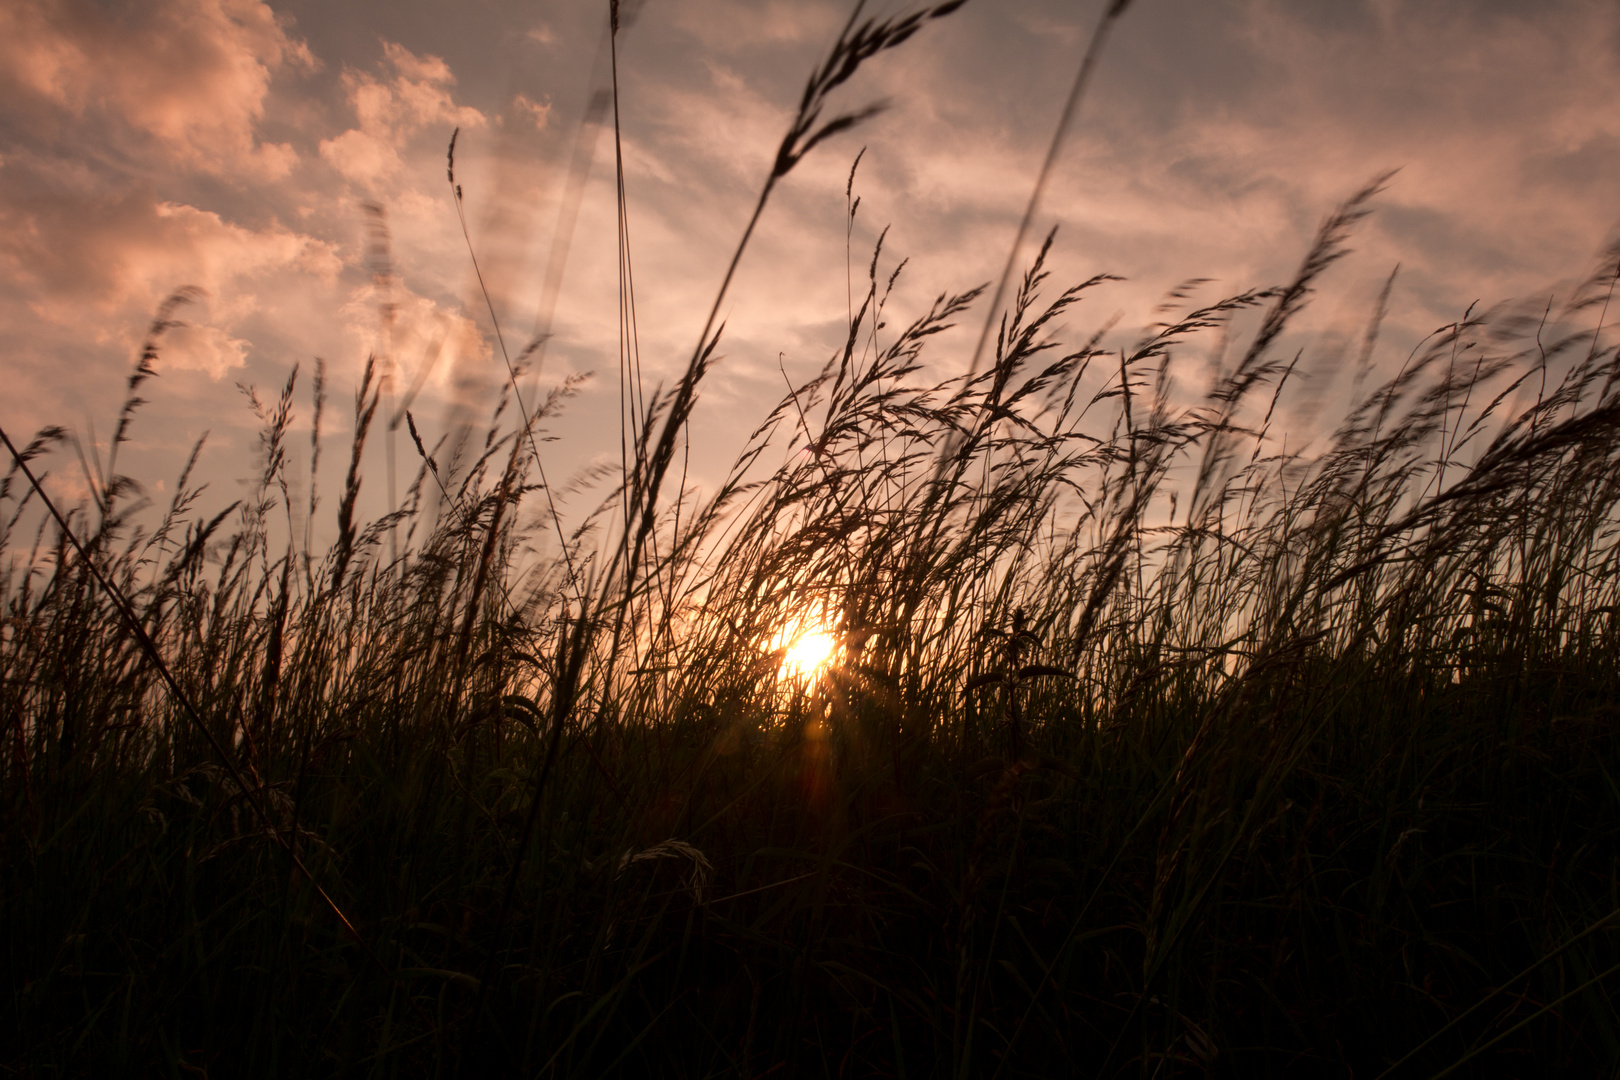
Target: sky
<point>233,146</point>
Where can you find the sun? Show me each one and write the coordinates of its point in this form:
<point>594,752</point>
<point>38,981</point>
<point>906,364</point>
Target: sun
<point>807,652</point>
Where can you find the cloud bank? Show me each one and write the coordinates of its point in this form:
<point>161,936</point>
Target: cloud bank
<point>232,145</point>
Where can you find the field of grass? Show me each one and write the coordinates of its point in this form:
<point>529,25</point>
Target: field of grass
<point>1144,748</point>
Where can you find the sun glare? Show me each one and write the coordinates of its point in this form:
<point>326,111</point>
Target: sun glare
<point>808,654</point>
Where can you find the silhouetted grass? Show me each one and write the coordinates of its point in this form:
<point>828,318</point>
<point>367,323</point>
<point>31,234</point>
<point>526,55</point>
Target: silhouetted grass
<point>1147,749</point>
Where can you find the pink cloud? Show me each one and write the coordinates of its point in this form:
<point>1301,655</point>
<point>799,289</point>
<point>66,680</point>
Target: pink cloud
<point>208,349</point>
<point>537,113</point>
<point>1213,151</point>
<point>422,348</point>
<point>192,75</point>
<point>390,111</point>
<point>111,250</point>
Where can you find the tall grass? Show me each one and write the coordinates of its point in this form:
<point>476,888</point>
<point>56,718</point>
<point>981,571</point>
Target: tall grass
<point>1147,747</point>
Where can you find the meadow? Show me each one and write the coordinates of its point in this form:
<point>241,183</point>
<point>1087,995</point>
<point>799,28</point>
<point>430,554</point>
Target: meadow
<point>1045,718</point>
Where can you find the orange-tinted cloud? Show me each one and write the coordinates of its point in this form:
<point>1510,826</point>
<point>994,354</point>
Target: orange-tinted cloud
<point>93,253</point>
<point>192,75</point>
<point>390,111</point>
<point>208,142</point>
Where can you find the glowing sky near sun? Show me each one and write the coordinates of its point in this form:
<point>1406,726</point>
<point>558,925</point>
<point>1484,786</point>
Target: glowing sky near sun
<point>805,651</point>
<point>230,144</point>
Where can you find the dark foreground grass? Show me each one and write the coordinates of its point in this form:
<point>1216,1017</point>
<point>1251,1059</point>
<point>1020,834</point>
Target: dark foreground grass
<point>1147,749</point>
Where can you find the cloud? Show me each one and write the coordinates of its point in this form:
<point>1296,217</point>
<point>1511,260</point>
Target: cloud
<point>108,249</point>
<point>390,110</point>
<point>190,75</point>
<point>425,345</point>
<point>191,141</point>
<point>208,349</point>
<point>537,113</point>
